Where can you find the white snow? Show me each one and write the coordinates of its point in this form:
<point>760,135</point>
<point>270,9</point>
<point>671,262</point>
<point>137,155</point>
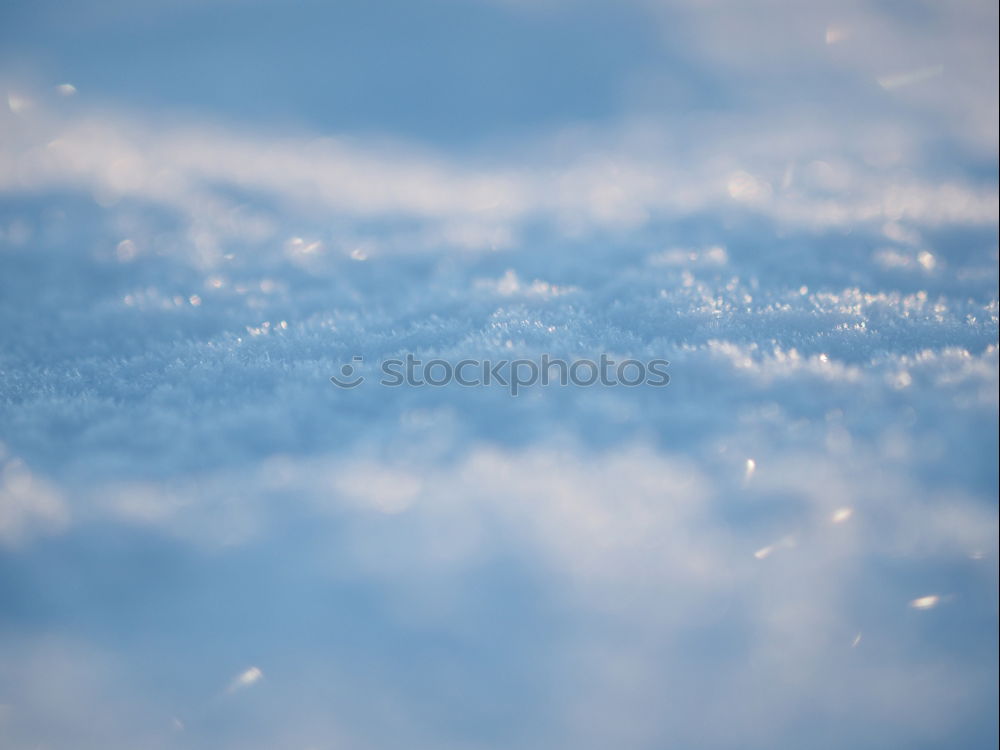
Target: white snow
<point>183,492</point>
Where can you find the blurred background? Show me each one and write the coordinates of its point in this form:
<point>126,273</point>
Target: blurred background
<point>207,208</point>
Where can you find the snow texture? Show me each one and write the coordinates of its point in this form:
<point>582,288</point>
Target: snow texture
<point>205,544</point>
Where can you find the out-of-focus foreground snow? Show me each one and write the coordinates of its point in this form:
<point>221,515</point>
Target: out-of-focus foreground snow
<point>205,544</point>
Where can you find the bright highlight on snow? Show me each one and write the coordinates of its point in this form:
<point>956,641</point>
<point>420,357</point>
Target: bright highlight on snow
<point>245,679</point>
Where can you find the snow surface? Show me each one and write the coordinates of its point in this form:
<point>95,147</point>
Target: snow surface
<point>205,544</point>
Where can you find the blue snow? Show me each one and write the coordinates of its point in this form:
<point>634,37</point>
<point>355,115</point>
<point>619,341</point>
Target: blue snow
<point>207,209</point>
